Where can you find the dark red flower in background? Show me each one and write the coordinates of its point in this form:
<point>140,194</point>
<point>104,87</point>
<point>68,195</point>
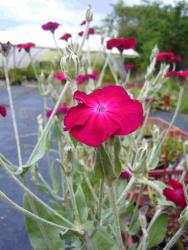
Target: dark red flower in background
<point>66,37</point>
<point>83,22</point>
<point>103,113</point>
<point>60,76</point>
<point>129,66</point>
<point>165,56</point>
<point>175,193</point>
<point>94,75</point>
<point>81,33</point>
<point>3,111</point>
<point>175,58</point>
<point>50,26</point>
<point>168,57</point>
<point>62,110</point>
<point>91,31</point>
<point>121,43</point>
<point>124,174</point>
<point>166,101</point>
<point>181,74</point>
<point>25,46</point>
<point>82,78</point>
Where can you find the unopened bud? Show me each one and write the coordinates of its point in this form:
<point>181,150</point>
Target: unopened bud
<point>5,48</point>
<point>89,14</point>
<point>70,61</point>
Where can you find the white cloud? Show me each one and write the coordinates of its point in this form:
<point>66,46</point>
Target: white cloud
<point>24,19</point>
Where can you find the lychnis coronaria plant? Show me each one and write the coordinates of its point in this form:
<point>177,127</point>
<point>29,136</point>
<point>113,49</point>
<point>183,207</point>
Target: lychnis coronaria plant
<point>98,190</point>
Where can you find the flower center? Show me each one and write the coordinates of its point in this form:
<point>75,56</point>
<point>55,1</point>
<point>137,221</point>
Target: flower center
<point>101,108</point>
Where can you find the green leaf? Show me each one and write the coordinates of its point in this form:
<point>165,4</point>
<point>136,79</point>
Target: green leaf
<point>55,179</point>
<point>103,240</point>
<point>158,231</point>
<point>7,164</point>
<point>57,131</point>
<point>81,204</point>
<point>39,150</point>
<point>50,236</point>
<point>103,166</point>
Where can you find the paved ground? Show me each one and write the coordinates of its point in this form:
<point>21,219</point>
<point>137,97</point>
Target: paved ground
<point>28,105</point>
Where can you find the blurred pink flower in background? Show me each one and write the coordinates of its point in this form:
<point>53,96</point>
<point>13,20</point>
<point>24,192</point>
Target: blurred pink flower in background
<point>3,111</point>
<point>50,26</point>
<point>65,37</point>
<point>25,46</point>
<point>62,110</point>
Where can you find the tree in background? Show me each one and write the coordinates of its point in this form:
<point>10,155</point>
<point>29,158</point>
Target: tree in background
<point>151,24</point>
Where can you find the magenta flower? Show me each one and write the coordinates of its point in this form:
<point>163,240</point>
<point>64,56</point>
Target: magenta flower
<point>81,33</point>
<point>94,75</point>
<point>82,78</point>
<point>83,22</point>
<point>165,56</point>
<point>129,66</point>
<point>181,74</point>
<point>60,76</point>
<point>3,111</point>
<point>121,43</point>
<point>91,31</point>
<point>62,110</point>
<point>175,59</point>
<point>50,26</point>
<point>103,113</point>
<point>124,174</point>
<point>175,193</point>
<point>66,37</point>
<point>25,46</point>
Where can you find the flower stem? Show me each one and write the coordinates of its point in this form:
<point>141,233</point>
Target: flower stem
<point>73,199</point>
<point>10,202</point>
<point>57,47</point>
<point>116,215</point>
<point>126,190</point>
<point>48,125</point>
<point>176,111</point>
<point>100,203</point>
<point>174,239</point>
<point>5,65</point>
<point>144,243</point>
<point>36,197</point>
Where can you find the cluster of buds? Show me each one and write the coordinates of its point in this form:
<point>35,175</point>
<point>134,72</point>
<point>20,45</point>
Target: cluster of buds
<point>70,61</point>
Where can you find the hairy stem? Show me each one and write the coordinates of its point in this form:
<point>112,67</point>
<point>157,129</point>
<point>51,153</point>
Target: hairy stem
<point>5,65</point>
<point>116,215</point>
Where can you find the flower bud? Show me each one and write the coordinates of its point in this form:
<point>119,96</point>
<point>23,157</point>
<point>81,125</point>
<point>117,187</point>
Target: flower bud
<point>5,48</point>
<point>70,61</point>
<point>89,14</point>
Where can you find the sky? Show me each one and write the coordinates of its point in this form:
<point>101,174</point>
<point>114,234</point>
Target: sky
<point>21,20</point>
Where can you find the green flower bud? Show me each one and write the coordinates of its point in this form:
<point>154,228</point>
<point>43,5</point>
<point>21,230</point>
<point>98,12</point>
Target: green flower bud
<point>89,14</point>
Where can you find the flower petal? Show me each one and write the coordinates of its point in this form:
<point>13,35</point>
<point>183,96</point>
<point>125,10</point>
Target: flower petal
<point>174,183</point>
<point>77,116</point>
<point>176,196</point>
<point>109,94</point>
<point>132,117</point>
<point>95,130</point>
